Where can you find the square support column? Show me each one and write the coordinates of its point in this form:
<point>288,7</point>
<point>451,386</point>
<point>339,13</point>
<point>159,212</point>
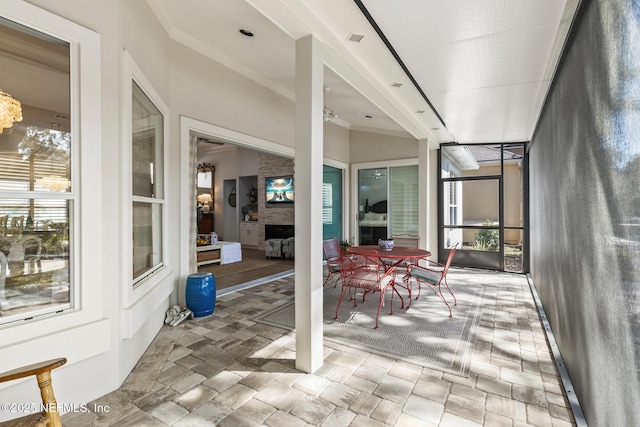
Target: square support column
<point>423,195</point>
<point>428,196</point>
<point>309,142</point>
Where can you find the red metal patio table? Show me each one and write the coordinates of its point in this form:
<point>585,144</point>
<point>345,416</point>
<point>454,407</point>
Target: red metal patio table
<point>398,255</point>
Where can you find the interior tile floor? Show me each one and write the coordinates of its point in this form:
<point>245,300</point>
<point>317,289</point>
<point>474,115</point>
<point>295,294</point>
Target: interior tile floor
<point>254,266</point>
<point>227,370</point>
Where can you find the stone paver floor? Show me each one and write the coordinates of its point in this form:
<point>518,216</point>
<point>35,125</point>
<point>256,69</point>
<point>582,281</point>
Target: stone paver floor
<point>230,371</point>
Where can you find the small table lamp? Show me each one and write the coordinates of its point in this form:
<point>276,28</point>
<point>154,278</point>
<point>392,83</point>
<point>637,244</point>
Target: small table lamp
<point>205,199</point>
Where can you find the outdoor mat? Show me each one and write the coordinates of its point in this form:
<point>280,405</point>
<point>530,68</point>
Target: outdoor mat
<point>424,335</point>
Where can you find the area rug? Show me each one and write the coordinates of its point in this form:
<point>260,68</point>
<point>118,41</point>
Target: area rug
<point>424,334</point>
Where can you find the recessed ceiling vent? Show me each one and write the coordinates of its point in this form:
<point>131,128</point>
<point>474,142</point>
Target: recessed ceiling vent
<point>356,38</point>
<point>396,84</point>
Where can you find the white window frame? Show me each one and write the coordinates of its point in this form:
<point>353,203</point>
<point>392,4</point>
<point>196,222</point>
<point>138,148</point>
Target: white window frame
<point>85,316</point>
<point>153,284</point>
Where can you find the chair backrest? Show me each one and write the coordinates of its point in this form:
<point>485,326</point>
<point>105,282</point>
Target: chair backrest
<point>17,225</point>
<point>369,257</point>
<point>406,240</point>
<point>32,245</point>
<point>452,252</point>
<point>331,248</point>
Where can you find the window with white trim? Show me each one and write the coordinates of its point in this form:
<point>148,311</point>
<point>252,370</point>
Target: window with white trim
<point>147,184</point>
<point>37,195</point>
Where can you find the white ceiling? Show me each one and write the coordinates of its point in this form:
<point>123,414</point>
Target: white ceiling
<point>485,66</point>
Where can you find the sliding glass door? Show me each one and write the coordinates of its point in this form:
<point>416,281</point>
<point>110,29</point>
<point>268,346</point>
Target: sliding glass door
<point>387,203</point>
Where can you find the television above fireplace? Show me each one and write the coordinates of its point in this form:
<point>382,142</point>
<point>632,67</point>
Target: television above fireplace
<point>279,190</point>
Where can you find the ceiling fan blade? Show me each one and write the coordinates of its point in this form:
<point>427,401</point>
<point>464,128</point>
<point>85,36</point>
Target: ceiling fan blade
<point>208,141</point>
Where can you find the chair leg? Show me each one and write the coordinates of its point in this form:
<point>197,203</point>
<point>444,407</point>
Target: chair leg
<point>437,289</point>
<point>417,284</point>
<point>455,302</point>
<point>327,281</point>
<point>352,296</point>
<point>46,393</point>
<point>444,299</point>
<point>407,287</point>
<point>379,307</point>
<point>419,288</point>
<point>339,302</point>
<point>394,290</point>
<point>329,278</point>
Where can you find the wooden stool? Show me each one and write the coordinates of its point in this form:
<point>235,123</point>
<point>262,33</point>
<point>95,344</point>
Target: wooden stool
<point>49,417</point>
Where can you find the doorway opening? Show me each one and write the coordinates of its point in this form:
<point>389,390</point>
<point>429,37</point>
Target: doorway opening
<point>227,181</point>
<point>483,207</point>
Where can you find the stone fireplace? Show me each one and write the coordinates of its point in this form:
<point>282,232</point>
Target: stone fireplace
<point>278,231</point>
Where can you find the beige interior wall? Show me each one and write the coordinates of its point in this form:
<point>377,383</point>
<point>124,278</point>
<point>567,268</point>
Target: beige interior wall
<point>371,147</point>
<point>336,142</point>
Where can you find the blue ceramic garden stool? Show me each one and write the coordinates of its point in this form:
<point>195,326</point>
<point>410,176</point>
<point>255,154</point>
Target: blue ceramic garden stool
<point>201,293</point>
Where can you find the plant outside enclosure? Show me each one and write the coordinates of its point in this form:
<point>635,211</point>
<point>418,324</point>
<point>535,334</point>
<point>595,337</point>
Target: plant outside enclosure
<point>487,239</point>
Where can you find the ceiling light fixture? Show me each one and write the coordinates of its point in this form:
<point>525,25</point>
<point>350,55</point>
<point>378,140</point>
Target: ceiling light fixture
<point>54,183</point>
<point>396,84</point>
<point>357,38</point>
<point>10,110</point>
<point>246,33</point>
<point>328,114</point>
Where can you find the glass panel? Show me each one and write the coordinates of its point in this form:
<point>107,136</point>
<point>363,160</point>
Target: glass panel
<point>148,142</point>
<point>471,202</point>
<point>147,237</point>
<point>35,139</point>
<point>372,205</point>
<point>34,254</point>
<point>41,160</point>
<point>35,156</point>
<point>452,236</point>
<point>332,202</point>
<point>479,239</point>
<point>513,250</point>
<point>513,181</point>
<point>403,198</point>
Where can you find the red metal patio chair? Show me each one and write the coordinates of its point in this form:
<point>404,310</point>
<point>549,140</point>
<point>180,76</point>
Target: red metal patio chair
<point>370,276</point>
<point>435,275</point>
<point>332,254</point>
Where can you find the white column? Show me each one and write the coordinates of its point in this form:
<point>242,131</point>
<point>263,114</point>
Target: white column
<point>308,203</point>
<point>423,195</point>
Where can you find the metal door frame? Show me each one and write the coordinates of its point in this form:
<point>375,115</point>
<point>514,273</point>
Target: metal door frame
<point>475,258</point>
